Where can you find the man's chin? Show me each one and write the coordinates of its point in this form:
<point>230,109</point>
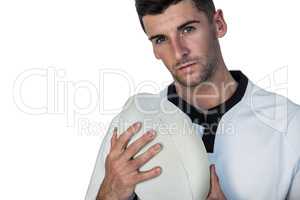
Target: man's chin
<point>189,83</point>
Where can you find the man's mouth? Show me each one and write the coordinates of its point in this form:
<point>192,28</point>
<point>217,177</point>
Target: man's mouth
<point>186,65</point>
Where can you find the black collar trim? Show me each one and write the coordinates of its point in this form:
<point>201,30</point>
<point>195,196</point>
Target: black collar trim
<point>210,120</point>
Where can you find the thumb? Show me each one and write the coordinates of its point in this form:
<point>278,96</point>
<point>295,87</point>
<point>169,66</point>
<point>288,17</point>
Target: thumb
<point>214,180</point>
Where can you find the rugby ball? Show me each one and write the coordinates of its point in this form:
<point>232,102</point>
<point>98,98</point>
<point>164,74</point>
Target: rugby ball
<point>183,158</point>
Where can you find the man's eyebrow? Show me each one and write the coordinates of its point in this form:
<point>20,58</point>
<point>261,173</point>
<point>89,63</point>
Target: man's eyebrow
<point>187,23</point>
<point>178,28</point>
<point>155,36</point>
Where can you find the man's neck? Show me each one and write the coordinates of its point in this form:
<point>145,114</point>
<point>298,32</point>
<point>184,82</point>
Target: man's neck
<point>220,87</point>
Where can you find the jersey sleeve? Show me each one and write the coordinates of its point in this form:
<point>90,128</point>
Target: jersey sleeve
<point>99,169</point>
<point>293,136</point>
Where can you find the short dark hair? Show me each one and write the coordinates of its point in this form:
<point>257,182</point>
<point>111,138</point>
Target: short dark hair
<point>153,7</point>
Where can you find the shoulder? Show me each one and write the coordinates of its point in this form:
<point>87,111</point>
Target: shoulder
<point>261,100</point>
<point>270,108</point>
<point>278,112</point>
<point>142,99</point>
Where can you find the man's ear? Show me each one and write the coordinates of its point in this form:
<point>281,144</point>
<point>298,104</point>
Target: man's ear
<point>220,24</point>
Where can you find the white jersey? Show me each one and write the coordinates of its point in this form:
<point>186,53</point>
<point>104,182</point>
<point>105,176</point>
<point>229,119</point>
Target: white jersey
<point>253,139</point>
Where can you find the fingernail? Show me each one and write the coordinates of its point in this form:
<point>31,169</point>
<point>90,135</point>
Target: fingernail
<point>158,170</point>
<point>157,147</point>
<point>151,133</point>
<point>138,124</point>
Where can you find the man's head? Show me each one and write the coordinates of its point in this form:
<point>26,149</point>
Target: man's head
<point>184,35</point>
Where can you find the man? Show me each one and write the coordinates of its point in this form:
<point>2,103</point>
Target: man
<point>252,136</point>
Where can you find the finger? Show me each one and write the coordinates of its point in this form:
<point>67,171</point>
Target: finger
<point>146,175</point>
<point>134,164</point>
<point>113,139</point>
<point>137,145</point>
<point>214,180</point>
<point>145,157</point>
<point>215,188</point>
<point>125,137</point>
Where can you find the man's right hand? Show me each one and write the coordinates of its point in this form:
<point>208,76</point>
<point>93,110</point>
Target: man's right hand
<point>121,170</point>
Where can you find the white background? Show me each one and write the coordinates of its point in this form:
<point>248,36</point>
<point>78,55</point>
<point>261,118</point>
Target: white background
<point>51,155</point>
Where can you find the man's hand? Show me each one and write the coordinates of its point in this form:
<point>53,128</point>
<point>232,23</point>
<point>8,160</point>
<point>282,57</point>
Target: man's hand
<point>215,192</point>
<point>121,170</point>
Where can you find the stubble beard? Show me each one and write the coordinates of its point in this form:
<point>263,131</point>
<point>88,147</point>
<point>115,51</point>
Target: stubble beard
<point>205,74</point>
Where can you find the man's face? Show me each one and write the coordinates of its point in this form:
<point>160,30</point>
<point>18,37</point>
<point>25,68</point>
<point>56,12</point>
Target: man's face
<point>186,42</point>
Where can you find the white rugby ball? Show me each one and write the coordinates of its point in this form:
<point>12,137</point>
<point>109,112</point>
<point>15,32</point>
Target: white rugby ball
<point>183,158</point>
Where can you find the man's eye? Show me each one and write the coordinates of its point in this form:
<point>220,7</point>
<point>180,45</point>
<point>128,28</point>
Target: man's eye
<point>159,40</point>
<point>188,29</point>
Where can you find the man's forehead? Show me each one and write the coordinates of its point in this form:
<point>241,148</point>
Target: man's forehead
<point>172,17</point>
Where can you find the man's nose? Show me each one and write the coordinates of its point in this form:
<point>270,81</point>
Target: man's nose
<point>180,49</point>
